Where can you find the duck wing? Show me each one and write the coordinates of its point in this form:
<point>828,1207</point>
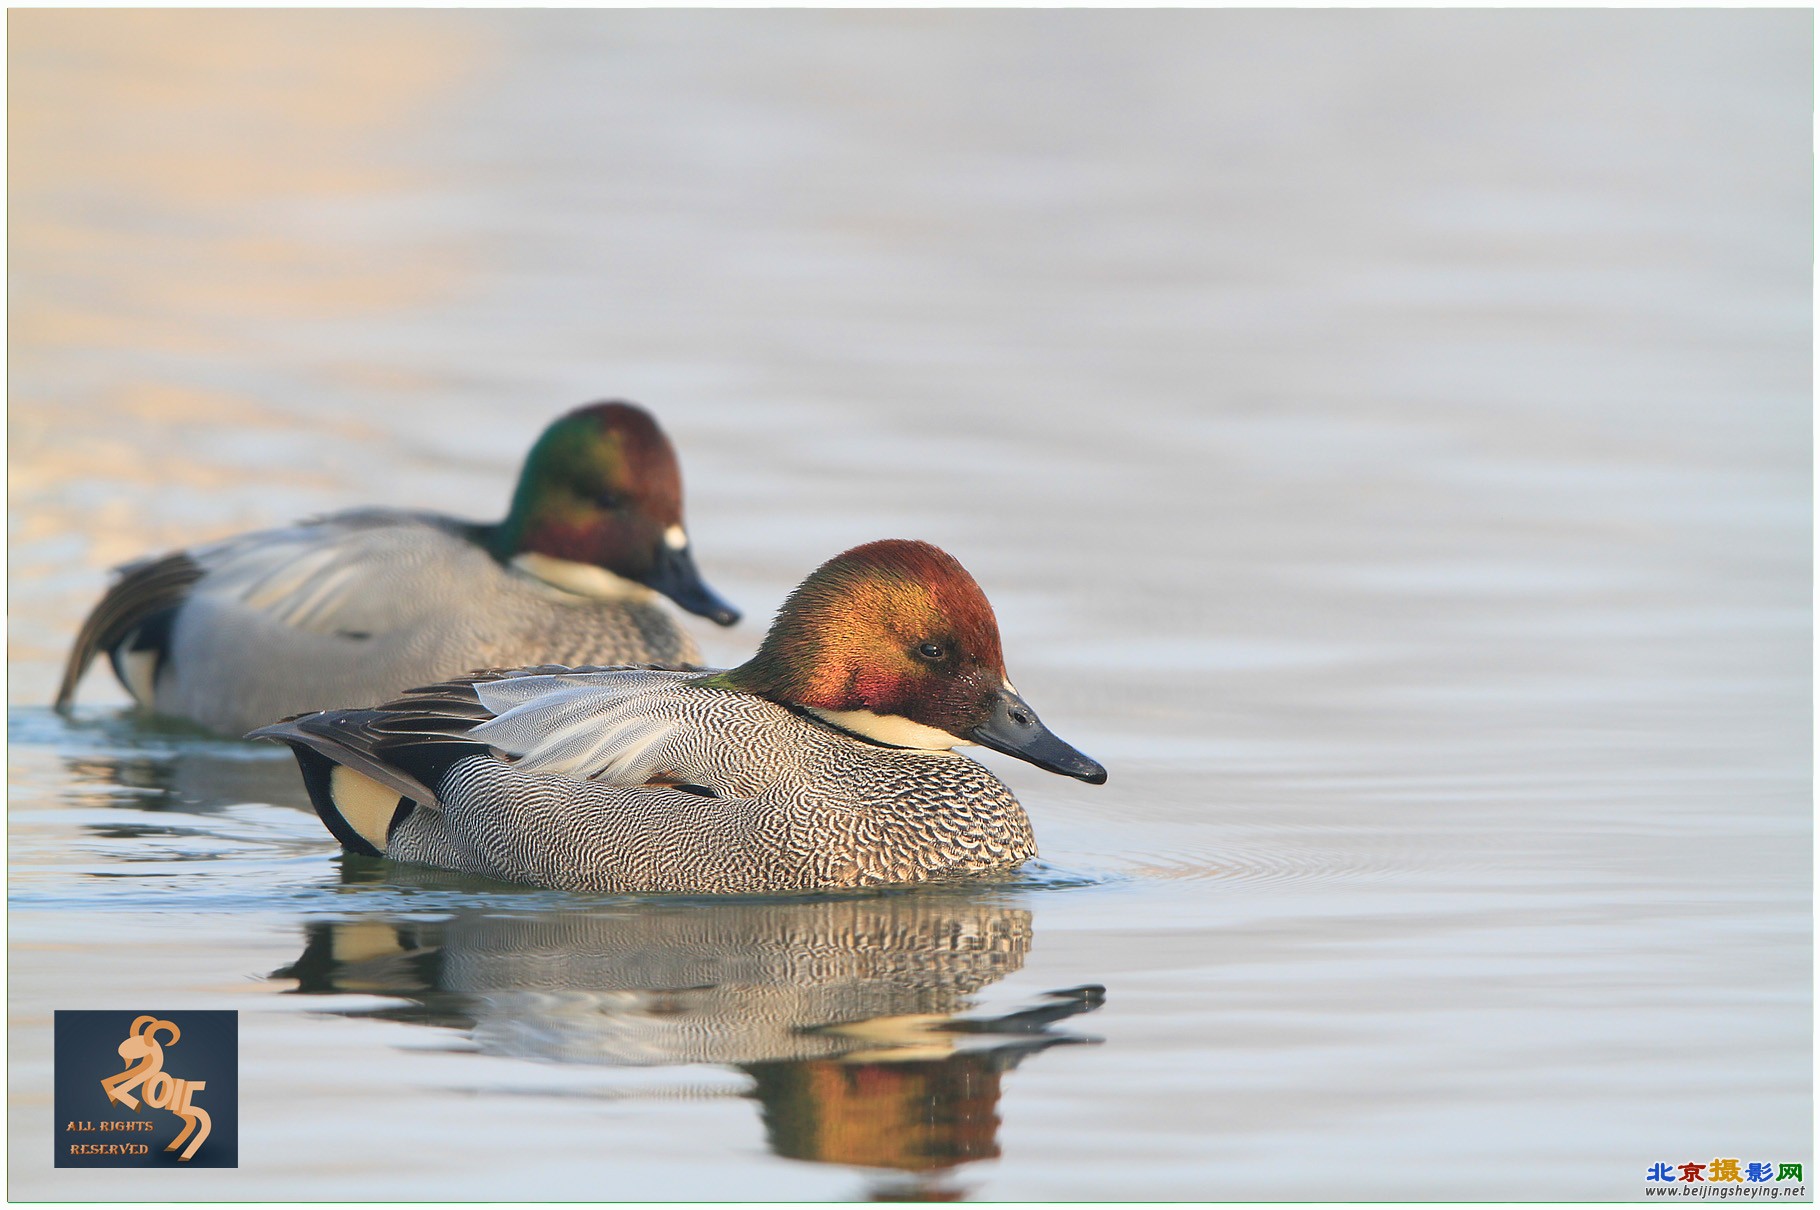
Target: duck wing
<point>632,726</point>
<point>411,740</point>
<point>367,769</point>
<point>355,575</point>
<point>637,727</point>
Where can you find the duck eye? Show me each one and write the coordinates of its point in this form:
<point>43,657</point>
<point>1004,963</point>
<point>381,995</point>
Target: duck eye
<point>932,651</point>
<point>608,499</point>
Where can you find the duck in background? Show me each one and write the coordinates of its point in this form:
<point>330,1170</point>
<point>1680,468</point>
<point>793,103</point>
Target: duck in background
<point>824,761</point>
<point>359,606</point>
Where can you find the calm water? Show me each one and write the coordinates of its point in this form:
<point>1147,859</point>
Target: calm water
<point>1385,437</point>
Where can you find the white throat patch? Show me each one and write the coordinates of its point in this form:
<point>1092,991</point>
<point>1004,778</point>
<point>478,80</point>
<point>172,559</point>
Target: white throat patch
<point>893,729</point>
<point>581,579</point>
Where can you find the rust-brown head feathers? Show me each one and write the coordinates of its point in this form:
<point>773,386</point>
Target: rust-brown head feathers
<point>893,641</point>
<point>892,627</point>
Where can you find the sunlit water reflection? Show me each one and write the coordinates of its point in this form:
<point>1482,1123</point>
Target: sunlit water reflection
<point>1384,437</point>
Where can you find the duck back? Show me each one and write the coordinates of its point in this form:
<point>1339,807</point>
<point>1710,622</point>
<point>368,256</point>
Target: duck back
<point>355,607</point>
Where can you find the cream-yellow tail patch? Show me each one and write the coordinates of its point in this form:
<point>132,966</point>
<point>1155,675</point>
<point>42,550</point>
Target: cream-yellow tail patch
<point>899,1039</point>
<point>139,670</point>
<point>365,805</point>
<point>363,941</point>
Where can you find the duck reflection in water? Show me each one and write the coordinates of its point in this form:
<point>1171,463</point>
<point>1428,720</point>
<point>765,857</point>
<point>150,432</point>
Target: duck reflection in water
<point>843,1011</point>
<point>158,764</point>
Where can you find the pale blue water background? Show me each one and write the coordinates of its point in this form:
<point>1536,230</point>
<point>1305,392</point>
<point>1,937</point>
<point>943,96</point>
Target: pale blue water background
<point>1386,440</point>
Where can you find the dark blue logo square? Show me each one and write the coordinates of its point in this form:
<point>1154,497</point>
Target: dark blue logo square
<point>147,1090</point>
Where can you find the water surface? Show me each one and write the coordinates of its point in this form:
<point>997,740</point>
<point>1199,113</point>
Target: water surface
<point>1385,439</point>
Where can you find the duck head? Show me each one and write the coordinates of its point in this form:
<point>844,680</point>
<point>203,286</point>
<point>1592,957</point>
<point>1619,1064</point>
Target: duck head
<point>601,493</point>
<point>895,641</point>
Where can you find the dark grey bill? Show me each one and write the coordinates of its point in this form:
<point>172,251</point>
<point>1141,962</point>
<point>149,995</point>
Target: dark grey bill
<point>1015,730</point>
<point>675,576</point>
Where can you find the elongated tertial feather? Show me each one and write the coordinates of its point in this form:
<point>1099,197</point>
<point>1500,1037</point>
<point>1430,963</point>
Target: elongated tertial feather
<point>603,731</point>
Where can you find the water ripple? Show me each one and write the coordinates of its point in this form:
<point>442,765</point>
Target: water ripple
<point>1284,863</point>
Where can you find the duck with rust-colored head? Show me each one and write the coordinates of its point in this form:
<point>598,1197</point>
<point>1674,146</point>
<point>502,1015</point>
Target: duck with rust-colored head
<point>827,760</point>
<point>362,605</point>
